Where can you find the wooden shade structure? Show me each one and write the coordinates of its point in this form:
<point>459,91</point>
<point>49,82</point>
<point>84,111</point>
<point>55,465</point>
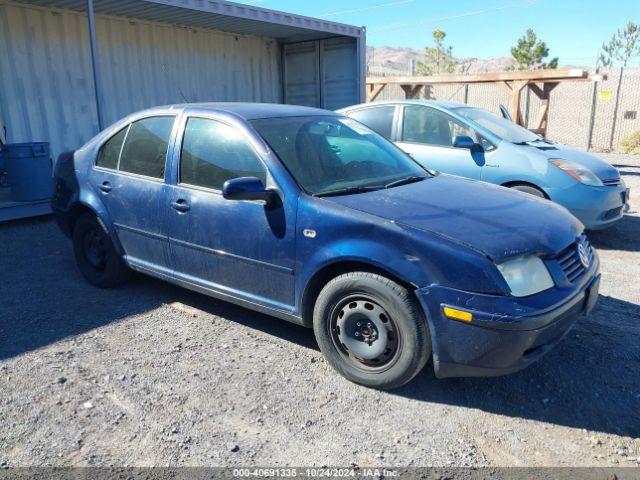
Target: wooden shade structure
<point>540,82</point>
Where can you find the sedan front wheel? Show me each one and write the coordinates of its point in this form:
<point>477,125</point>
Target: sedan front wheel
<point>371,330</point>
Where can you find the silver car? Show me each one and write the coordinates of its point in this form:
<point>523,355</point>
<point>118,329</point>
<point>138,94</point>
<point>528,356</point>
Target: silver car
<point>471,142</point>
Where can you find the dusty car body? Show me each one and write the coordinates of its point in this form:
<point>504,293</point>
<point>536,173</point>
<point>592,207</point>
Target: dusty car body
<point>312,217</point>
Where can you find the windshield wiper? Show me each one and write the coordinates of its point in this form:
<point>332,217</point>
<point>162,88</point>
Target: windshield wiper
<point>405,181</point>
<point>348,191</point>
<point>369,188</point>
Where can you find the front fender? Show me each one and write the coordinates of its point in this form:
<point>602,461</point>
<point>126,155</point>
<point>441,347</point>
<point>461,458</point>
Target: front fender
<point>525,164</point>
<point>383,257</point>
<point>416,257</point>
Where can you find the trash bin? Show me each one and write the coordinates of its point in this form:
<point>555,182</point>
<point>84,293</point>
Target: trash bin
<point>29,171</point>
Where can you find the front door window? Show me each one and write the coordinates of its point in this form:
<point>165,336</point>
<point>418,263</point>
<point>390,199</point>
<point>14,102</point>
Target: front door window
<point>213,152</point>
<point>429,126</point>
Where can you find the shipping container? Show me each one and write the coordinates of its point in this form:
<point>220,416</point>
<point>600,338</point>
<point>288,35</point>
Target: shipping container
<point>157,52</point>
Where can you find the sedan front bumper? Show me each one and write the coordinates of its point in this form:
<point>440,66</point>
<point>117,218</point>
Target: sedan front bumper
<point>595,207</point>
<point>500,343</point>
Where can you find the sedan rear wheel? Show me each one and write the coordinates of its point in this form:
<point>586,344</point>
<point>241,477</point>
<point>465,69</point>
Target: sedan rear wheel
<point>97,258</point>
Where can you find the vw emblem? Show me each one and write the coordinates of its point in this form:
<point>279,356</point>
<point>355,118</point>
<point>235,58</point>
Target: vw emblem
<point>584,255</point>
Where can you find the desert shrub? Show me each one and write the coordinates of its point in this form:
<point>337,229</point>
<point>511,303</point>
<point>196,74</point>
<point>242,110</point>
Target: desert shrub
<point>631,143</point>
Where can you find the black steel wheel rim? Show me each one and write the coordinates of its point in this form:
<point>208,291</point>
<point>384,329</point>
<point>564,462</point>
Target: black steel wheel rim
<point>364,333</point>
<point>94,248</point>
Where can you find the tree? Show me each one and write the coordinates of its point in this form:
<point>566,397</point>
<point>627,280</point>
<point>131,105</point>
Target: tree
<point>622,48</point>
<point>438,59</point>
<point>530,53</point>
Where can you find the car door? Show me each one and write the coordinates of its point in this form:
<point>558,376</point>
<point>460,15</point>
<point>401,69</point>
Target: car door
<point>129,177</point>
<point>244,249</point>
<point>427,134</point>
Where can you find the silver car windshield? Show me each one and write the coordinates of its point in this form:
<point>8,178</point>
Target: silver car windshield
<point>337,155</point>
<point>501,127</point>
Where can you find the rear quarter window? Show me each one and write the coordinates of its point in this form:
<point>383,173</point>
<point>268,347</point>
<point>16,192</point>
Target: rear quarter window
<point>110,152</point>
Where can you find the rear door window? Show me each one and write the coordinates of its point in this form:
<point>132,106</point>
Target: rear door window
<point>145,149</point>
<point>379,119</point>
<point>214,152</point>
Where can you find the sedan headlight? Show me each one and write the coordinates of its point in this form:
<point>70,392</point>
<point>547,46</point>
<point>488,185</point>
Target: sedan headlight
<point>578,172</point>
<point>526,275</point>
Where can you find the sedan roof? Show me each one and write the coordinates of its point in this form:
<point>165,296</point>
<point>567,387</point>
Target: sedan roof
<point>435,103</point>
<point>249,111</point>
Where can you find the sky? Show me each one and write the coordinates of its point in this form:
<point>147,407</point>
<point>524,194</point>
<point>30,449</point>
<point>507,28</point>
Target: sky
<point>574,30</point>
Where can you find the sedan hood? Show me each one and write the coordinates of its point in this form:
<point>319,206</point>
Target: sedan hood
<point>499,222</point>
<point>601,168</point>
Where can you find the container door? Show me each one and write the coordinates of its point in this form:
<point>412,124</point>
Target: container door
<point>339,73</point>
<point>302,74</point>
<point>322,73</point>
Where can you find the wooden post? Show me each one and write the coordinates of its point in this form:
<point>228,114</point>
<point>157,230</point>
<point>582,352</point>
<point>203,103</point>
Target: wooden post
<point>411,91</point>
<point>511,82</point>
<point>373,90</point>
<point>514,109</point>
<point>544,95</point>
<point>428,92</point>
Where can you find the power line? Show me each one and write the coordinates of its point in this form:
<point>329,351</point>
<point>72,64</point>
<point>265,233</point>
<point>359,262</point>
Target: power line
<point>364,9</point>
<point>397,25</point>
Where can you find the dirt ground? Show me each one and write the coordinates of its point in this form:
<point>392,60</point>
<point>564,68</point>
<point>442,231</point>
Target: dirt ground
<point>151,374</point>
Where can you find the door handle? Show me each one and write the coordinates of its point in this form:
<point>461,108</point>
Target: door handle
<point>105,187</point>
<point>180,205</point>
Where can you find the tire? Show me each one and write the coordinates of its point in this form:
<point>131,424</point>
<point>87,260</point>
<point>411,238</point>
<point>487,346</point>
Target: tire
<point>97,258</point>
<point>371,330</point>
<point>536,192</point>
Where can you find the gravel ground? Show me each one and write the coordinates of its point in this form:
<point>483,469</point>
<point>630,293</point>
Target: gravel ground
<point>151,374</point>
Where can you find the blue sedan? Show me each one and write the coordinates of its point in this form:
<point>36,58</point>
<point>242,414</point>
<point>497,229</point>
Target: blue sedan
<point>470,142</point>
<point>312,217</point>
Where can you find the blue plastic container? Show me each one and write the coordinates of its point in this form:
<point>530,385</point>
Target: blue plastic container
<point>29,171</point>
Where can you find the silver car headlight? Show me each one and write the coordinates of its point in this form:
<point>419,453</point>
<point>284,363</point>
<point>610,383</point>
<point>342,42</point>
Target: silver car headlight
<point>526,275</point>
<point>578,172</point>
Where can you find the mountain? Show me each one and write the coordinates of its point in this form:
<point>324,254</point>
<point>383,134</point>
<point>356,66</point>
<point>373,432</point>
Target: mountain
<point>397,61</point>
<point>393,60</point>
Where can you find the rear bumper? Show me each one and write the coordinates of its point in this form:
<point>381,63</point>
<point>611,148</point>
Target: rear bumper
<point>595,207</point>
<point>62,219</point>
<point>499,343</point>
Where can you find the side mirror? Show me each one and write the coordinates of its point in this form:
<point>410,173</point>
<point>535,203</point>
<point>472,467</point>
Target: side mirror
<point>463,141</point>
<point>247,188</point>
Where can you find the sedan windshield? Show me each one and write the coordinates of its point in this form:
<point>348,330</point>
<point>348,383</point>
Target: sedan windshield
<point>501,127</point>
<point>337,155</point>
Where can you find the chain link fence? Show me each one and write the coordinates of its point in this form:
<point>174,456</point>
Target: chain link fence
<point>589,115</point>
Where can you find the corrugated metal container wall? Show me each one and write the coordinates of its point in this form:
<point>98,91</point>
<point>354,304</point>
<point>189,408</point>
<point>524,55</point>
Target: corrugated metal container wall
<point>47,89</point>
